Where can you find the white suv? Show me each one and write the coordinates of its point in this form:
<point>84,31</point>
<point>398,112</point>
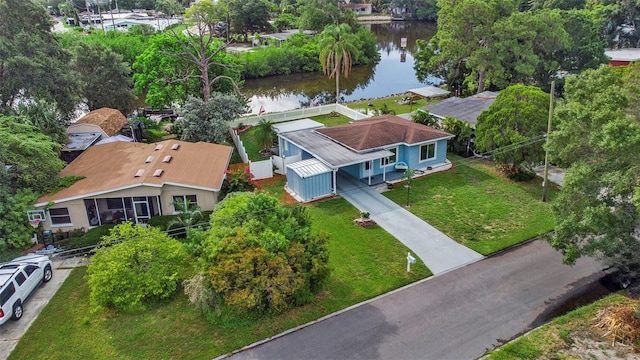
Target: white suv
<point>19,279</point>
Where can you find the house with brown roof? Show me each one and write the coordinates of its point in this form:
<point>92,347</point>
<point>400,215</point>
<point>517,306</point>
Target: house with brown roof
<point>125,181</point>
<point>373,150</point>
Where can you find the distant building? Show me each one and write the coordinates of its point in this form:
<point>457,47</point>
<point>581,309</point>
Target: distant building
<point>622,57</point>
<point>360,9</point>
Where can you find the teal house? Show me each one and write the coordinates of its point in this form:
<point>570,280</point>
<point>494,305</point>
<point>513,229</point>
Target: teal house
<point>374,150</point>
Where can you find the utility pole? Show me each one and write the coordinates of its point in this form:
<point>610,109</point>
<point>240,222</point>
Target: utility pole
<point>545,178</point>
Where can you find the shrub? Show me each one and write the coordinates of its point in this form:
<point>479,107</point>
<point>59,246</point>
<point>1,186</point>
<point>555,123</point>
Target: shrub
<point>260,256</point>
<point>91,237</point>
<point>146,266</point>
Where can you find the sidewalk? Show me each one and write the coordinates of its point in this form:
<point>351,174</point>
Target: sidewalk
<point>440,253</point>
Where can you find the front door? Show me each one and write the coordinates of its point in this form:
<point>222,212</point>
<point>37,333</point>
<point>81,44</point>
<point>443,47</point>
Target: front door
<point>141,209</point>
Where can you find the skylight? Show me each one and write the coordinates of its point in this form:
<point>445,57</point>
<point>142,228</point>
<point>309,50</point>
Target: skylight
<point>158,146</point>
<point>167,158</point>
<point>158,172</point>
<point>139,173</point>
<point>149,159</point>
<point>175,146</point>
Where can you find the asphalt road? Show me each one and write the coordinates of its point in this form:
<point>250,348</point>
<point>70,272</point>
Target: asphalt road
<point>457,315</point>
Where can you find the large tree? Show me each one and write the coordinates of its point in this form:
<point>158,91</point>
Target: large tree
<point>249,16</point>
<point>105,79</point>
<point>29,164</point>
<point>597,141</point>
<point>177,59</point>
<point>32,63</point>
<point>513,128</point>
<point>209,120</point>
<point>316,14</point>
<point>337,51</point>
<point>260,255</point>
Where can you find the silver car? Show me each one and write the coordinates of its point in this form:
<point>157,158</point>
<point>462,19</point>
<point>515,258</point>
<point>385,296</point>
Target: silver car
<point>19,279</point>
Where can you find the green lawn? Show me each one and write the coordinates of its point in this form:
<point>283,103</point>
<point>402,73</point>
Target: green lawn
<point>476,206</point>
<point>563,333</point>
<point>251,146</point>
<point>391,104</point>
<point>332,119</point>
<point>366,262</point>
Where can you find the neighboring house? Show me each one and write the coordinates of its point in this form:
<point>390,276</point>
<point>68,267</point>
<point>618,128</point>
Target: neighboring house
<point>466,109</point>
<point>621,57</point>
<point>128,181</point>
<point>279,38</point>
<point>360,9</point>
<point>373,150</point>
<point>95,126</point>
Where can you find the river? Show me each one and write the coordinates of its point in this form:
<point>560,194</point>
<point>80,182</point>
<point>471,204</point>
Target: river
<point>393,74</point>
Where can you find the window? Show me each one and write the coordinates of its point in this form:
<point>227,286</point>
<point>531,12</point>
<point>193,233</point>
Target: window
<point>114,203</point>
<point>428,152</point>
<point>182,200</point>
<point>29,269</point>
<point>20,278</point>
<point>59,216</point>
<point>6,293</point>
<point>391,159</point>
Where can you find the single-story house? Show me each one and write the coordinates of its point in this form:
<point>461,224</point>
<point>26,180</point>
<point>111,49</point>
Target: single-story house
<point>370,150</point>
<point>281,37</point>
<point>90,129</point>
<point>129,181</point>
<point>621,57</point>
<point>466,109</point>
<point>360,9</point>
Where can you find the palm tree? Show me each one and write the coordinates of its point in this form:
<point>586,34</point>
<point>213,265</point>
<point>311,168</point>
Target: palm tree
<point>336,52</point>
<point>264,134</point>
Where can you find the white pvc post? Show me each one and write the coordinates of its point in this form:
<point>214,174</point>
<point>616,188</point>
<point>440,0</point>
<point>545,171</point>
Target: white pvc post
<point>410,260</point>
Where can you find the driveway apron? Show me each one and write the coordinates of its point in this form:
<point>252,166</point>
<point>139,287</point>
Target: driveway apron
<point>435,249</point>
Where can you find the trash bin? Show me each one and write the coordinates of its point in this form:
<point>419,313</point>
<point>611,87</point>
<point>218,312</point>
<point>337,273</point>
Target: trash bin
<point>48,239</point>
<point>389,185</point>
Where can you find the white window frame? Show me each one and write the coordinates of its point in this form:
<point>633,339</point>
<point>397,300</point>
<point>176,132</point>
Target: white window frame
<point>384,162</point>
<point>53,218</point>
<point>184,201</point>
<point>435,152</point>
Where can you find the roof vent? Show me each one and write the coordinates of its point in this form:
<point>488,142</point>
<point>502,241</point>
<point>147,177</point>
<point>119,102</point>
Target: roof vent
<point>158,146</point>
<point>167,158</point>
<point>139,173</point>
<point>158,172</point>
<point>175,146</point>
<point>149,159</point>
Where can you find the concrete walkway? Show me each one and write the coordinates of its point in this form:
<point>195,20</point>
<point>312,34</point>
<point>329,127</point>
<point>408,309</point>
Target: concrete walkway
<point>437,251</point>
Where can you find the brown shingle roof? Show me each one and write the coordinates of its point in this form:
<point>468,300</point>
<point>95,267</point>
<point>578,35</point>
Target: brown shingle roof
<point>111,121</point>
<point>381,131</point>
<point>113,166</point>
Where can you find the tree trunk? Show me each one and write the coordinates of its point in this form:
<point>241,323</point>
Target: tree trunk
<point>206,88</point>
<point>337,88</point>
<point>481,77</point>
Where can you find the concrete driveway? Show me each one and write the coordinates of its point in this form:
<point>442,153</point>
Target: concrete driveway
<point>439,252</point>
<point>458,315</point>
<point>12,331</point>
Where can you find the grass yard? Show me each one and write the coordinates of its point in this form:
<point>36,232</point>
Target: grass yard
<point>478,207</point>
<point>251,146</point>
<point>332,119</point>
<point>366,262</point>
<point>570,336</point>
<point>391,104</point>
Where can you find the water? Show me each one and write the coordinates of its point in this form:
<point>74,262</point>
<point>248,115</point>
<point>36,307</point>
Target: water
<point>393,74</point>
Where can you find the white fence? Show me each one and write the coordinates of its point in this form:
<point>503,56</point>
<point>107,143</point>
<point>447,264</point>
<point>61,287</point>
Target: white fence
<point>261,169</point>
<point>301,114</point>
<point>281,163</point>
<point>239,145</point>
<point>264,169</point>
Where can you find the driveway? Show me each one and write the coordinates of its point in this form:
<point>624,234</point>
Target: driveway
<point>439,252</point>
<point>12,331</point>
<point>458,315</point>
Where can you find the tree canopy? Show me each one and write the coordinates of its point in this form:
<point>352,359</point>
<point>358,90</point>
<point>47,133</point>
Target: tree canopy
<point>105,79</point>
<point>209,120</point>
<point>32,63</point>
<point>597,141</point>
<point>514,126</point>
<point>337,51</point>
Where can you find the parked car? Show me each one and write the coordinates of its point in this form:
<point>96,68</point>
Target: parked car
<point>19,279</point>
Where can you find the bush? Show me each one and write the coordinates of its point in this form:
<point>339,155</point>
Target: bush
<point>146,266</point>
<point>91,237</point>
<point>259,256</point>
<point>517,173</point>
